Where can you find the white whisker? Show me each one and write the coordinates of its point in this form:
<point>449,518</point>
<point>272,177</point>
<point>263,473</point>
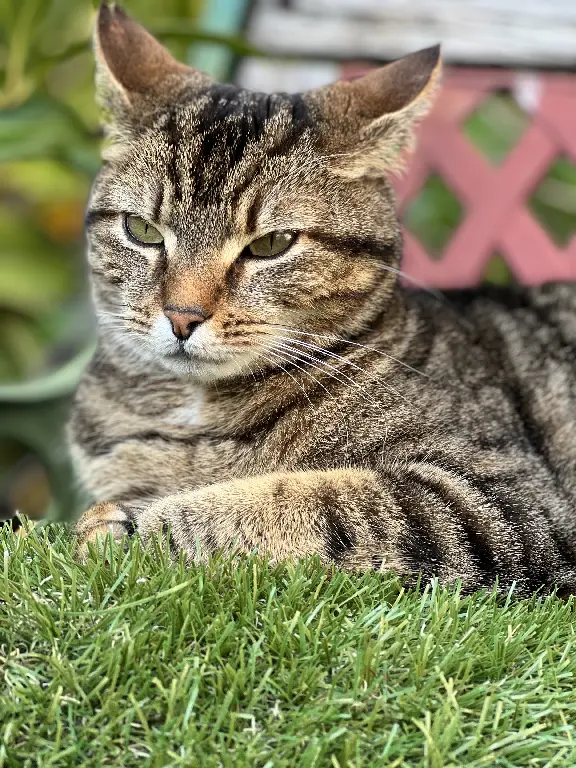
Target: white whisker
<point>432,291</point>
<point>272,362</point>
<point>317,360</point>
<point>438,295</point>
<point>307,373</point>
<point>365,395</point>
<point>388,386</point>
<point>352,343</point>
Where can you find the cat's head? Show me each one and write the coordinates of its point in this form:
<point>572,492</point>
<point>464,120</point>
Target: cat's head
<point>226,223</point>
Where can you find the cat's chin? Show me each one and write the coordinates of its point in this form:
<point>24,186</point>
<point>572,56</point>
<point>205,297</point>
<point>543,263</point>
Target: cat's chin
<point>201,369</point>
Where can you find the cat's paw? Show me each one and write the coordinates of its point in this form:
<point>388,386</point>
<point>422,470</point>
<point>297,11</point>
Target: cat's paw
<point>101,520</point>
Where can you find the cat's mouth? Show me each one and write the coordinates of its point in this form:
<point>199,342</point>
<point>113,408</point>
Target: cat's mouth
<point>199,363</point>
<point>203,355</point>
<point>193,355</point>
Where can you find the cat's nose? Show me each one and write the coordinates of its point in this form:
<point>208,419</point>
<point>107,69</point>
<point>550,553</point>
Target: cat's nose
<point>184,321</point>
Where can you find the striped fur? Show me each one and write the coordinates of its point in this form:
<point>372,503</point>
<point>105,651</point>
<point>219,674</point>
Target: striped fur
<point>322,408</point>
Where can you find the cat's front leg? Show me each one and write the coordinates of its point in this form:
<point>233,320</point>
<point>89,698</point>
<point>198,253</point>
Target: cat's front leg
<point>332,514</point>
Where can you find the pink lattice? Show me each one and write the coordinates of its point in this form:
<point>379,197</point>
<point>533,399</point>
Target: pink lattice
<point>496,217</point>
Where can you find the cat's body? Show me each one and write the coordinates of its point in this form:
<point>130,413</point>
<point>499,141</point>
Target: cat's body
<point>374,426</point>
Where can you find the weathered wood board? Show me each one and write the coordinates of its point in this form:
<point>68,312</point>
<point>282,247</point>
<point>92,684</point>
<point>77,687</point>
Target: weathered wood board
<point>533,33</point>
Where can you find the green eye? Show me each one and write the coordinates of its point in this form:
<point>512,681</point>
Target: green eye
<point>141,231</point>
<point>272,244</point>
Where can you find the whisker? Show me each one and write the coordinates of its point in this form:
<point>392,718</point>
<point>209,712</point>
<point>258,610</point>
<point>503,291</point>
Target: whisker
<point>345,360</point>
<point>103,314</point>
<point>366,396</point>
<point>318,360</point>
<point>272,362</point>
<point>432,291</point>
<point>438,295</point>
<point>303,370</point>
<point>125,326</point>
<point>352,343</point>
<point>325,351</point>
<point>295,356</point>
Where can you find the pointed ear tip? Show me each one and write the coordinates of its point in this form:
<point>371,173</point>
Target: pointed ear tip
<point>108,13</point>
<point>431,56</point>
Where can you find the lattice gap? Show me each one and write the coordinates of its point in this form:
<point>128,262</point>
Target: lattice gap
<point>496,126</point>
<point>434,215</point>
<point>497,271</point>
<point>553,201</point>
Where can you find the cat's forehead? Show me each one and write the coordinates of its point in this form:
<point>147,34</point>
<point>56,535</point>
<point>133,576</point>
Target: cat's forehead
<point>214,143</point>
<point>223,124</point>
<point>222,104</point>
<point>212,159</point>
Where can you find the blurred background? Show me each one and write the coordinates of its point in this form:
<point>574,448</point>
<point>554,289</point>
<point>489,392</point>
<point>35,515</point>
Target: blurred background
<point>49,146</point>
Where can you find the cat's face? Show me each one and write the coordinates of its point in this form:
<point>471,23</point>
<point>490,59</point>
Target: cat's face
<point>226,225</point>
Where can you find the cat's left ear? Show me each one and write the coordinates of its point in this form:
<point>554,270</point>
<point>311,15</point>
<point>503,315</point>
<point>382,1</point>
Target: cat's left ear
<point>135,74</point>
<point>367,124</point>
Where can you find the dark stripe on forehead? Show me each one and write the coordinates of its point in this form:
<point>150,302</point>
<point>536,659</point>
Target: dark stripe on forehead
<point>285,143</point>
<point>253,110</point>
<point>230,119</point>
<point>158,203</point>
<point>173,140</point>
<point>252,214</point>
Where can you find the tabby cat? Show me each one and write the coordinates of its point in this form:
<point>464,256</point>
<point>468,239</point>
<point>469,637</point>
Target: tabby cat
<point>263,381</point>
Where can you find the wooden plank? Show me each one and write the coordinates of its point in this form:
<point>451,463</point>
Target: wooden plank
<point>513,33</point>
<point>266,75</point>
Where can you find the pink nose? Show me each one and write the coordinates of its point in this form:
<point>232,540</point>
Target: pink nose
<point>184,321</point>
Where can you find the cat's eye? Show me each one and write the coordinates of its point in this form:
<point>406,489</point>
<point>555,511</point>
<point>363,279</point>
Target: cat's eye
<point>142,232</point>
<point>272,244</point>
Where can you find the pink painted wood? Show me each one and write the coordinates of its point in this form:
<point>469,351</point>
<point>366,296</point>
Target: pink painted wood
<point>496,217</point>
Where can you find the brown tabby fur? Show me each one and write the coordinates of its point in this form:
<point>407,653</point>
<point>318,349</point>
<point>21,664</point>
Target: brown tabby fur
<point>320,408</point>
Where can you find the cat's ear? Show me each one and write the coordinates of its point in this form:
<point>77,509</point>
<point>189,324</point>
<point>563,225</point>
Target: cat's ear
<point>134,72</point>
<point>367,124</point>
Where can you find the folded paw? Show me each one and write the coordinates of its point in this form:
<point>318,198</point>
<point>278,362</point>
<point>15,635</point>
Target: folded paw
<point>100,520</point>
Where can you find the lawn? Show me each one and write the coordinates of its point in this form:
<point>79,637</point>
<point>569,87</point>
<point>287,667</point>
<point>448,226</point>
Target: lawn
<point>129,661</point>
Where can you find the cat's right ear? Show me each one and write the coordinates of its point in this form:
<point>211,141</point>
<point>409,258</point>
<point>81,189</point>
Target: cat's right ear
<point>135,74</point>
<point>367,124</point>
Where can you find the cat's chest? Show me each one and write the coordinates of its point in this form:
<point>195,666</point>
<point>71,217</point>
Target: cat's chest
<point>190,414</point>
<point>177,416</point>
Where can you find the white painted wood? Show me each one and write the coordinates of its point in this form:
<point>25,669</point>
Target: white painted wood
<point>508,32</point>
<point>268,75</point>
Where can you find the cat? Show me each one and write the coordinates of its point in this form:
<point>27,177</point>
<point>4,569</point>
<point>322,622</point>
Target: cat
<point>262,379</point>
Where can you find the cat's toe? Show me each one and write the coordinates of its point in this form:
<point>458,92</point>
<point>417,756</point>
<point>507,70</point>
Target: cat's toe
<point>99,521</point>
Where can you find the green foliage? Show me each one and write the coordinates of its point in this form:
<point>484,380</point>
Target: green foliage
<point>434,215</point>
<point>49,153</point>
<point>125,661</point>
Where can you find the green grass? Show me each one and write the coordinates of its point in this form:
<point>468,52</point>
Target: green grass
<point>127,661</point>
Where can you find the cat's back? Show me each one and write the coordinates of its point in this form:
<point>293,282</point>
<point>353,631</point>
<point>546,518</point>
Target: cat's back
<point>528,336</point>
<point>544,314</point>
